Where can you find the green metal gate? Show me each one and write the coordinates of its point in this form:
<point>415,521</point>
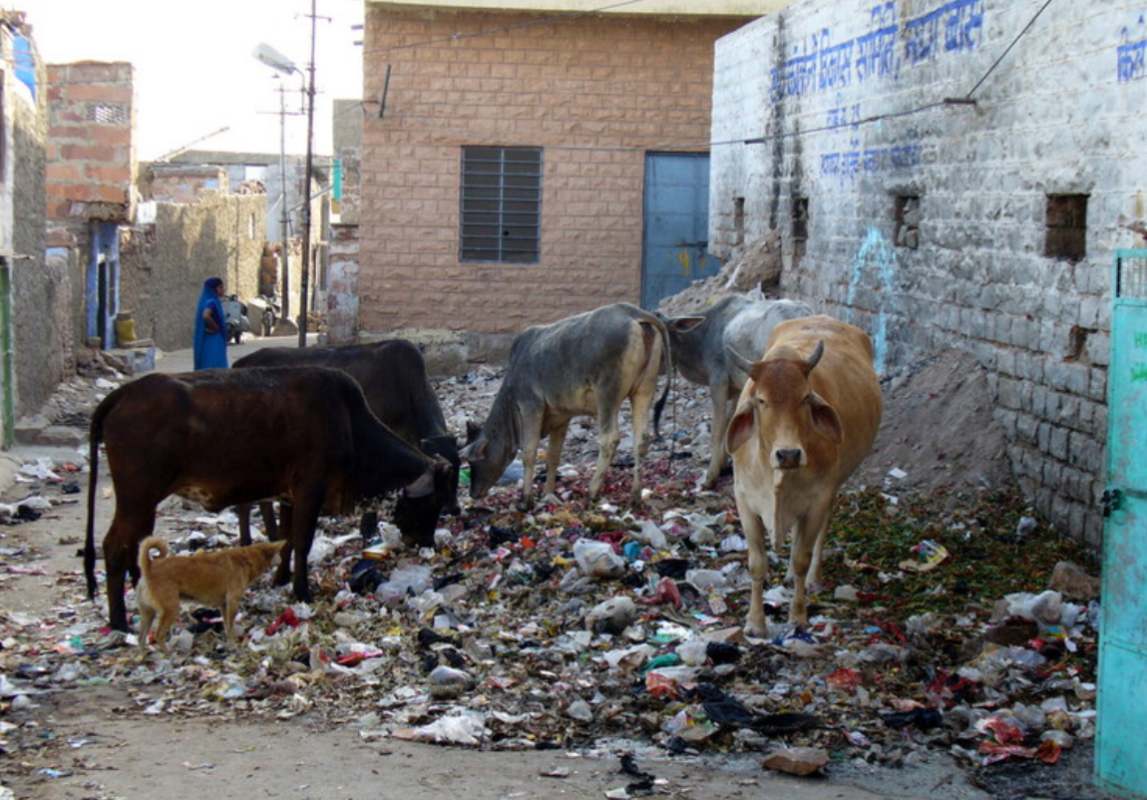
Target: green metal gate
<point>7,359</point>
<point>1120,746</point>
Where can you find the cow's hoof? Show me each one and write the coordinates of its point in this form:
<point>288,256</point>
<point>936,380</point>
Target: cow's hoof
<point>756,631</point>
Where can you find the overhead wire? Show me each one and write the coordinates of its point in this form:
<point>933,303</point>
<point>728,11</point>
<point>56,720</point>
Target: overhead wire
<point>947,102</point>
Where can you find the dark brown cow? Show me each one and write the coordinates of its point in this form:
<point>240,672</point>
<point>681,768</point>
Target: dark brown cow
<point>319,446</point>
<point>392,375</point>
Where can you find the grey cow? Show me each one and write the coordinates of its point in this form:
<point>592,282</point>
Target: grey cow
<point>587,364</point>
<point>701,346</point>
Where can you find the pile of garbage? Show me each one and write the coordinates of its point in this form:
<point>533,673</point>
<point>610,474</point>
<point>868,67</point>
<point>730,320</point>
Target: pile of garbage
<point>579,623</point>
<point>954,625</point>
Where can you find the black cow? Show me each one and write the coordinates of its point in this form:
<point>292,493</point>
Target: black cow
<point>320,447</point>
<point>393,378</point>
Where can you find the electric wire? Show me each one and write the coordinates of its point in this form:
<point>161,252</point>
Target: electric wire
<point>465,133</point>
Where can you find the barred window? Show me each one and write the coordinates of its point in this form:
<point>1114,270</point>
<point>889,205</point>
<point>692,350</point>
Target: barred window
<point>501,204</point>
<point>106,113</point>
<point>1066,235</point>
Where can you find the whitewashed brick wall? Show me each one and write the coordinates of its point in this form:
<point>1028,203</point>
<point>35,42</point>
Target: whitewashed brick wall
<point>842,104</point>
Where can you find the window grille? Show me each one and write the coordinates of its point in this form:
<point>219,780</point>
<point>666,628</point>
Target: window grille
<point>501,204</point>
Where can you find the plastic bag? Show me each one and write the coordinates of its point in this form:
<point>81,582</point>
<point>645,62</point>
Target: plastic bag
<point>597,559</point>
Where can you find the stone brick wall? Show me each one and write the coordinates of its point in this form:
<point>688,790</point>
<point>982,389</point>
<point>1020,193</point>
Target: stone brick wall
<point>163,266</point>
<point>841,109</point>
<point>594,93</point>
<point>40,291</point>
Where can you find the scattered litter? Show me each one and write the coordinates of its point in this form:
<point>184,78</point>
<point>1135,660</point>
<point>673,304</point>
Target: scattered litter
<point>584,622</point>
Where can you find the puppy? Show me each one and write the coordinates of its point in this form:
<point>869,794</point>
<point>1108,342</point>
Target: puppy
<point>216,579</point>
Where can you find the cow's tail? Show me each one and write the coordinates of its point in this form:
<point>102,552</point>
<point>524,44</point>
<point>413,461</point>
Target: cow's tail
<point>95,436</point>
<point>667,363</point>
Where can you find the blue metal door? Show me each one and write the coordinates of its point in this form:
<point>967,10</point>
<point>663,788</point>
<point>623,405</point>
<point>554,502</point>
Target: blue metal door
<point>1120,746</point>
<point>102,286</point>
<point>676,225</point>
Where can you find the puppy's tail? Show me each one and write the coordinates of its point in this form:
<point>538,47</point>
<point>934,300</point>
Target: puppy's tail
<point>145,548</point>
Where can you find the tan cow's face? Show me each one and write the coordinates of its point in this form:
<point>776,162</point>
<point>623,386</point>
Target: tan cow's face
<point>779,411</point>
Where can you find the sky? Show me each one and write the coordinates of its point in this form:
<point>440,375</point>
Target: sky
<point>194,71</point>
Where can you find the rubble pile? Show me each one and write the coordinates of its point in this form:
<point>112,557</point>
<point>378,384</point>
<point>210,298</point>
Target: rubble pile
<point>754,270</point>
<point>578,624</point>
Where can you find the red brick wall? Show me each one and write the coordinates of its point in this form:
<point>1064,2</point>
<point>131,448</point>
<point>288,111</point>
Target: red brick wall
<point>596,93</point>
<point>91,159</point>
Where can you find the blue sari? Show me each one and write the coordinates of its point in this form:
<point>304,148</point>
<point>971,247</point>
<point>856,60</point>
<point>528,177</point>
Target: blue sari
<point>210,348</point>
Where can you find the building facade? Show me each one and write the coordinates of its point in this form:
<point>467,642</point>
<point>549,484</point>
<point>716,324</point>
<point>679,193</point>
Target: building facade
<point>505,157</point>
<point>951,174</point>
<point>35,333</point>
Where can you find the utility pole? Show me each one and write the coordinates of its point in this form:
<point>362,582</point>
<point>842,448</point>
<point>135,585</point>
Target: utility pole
<point>307,175</point>
<point>284,236</point>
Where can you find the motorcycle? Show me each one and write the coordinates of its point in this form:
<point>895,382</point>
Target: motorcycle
<point>237,322</point>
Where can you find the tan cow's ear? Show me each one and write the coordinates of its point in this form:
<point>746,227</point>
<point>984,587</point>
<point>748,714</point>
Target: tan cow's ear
<point>740,429</point>
<point>825,419</point>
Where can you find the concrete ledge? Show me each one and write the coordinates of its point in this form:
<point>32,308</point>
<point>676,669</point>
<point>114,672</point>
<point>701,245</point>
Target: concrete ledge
<point>447,352</point>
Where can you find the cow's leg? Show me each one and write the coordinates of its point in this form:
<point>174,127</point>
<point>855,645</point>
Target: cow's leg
<point>531,436</point>
<point>641,395</point>
<point>718,456</point>
<point>556,439</point>
<point>804,542</point>
<point>267,512</point>
<point>304,519</point>
<point>243,512</point>
<point>368,525</point>
<point>640,406</point>
<point>607,449</point>
<point>283,571</point>
<point>755,536</point>
<point>121,555</point>
<point>817,556</point>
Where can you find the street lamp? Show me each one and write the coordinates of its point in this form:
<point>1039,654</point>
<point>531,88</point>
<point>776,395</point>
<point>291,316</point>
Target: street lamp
<point>280,63</point>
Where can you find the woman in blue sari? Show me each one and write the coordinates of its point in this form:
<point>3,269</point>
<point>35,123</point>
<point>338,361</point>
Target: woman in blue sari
<point>210,343</point>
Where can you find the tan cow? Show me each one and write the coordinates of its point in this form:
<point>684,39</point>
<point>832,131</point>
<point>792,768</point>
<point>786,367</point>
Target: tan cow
<point>805,420</point>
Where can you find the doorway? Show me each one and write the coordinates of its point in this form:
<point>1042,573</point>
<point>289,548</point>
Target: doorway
<point>676,236</point>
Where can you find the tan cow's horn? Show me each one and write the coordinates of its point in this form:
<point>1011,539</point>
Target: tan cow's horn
<point>814,359</point>
<point>740,362</point>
